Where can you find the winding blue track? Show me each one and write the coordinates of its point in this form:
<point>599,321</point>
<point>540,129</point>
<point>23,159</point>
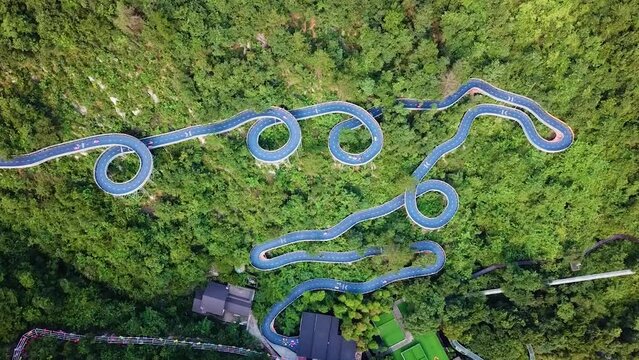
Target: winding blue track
<point>268,328</point>
<point>259,254</point>
<point>120,144</point>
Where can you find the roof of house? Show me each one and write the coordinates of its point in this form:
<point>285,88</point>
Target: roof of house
<point>218,299</point>
<point>238,306</point>
<point>214,298</point>
<point>319,339</point>
<point>197,302</point>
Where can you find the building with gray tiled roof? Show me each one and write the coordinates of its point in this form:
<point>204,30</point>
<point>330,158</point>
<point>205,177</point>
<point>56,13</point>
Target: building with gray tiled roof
<point>226,302</point>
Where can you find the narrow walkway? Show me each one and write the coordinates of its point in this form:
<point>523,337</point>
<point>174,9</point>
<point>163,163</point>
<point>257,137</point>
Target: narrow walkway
<point>37,333</point>
<point>464,351</point>
<point>471,355</point>
<point>576,279</point>
<point>408,337</point>
<point>277,351</point>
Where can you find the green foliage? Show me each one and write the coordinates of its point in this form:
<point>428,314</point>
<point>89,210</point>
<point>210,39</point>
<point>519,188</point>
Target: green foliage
<point>357,315</point>
<point>75,258</point>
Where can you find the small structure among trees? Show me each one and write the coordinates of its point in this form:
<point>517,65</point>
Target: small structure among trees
<point>319,339</point>
<point>228,303</point>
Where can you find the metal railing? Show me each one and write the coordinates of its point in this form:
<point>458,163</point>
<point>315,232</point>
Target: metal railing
<point>19,351</point>
<point>576,279</point>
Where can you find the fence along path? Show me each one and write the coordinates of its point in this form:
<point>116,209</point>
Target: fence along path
<point>37,333</point>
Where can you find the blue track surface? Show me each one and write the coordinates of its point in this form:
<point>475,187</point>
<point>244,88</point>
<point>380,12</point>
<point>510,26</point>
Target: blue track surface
<point>259,255</point>
<point>120,144</point>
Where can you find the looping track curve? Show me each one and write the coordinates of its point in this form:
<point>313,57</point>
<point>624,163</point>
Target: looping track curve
<point>121,144</point>
<point>259,254</point>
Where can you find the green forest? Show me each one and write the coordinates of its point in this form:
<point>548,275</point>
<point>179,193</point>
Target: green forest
<point>77,259</point>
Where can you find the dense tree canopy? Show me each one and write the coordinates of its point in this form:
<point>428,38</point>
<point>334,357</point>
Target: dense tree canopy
<point>73,257</point>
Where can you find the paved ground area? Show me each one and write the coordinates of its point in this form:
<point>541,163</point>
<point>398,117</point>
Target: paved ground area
<point>408,336</point>
<point>280,351</point>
